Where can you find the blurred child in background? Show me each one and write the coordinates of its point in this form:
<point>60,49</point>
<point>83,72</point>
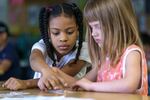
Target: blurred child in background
<point>9,62</point>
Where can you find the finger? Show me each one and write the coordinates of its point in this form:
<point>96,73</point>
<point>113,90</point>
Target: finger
<point>13,87</point>
<point>61,78</point>
<point>12,84</point>
<point>63,82</point>
<point>48,84</point>
<point>57,83</point>
<point>75,87</point>
<point>81,89</point>
<point>55,76</point>
<point>41,86</point>
<point>52,80</point>
<point>6,83</point>
<point>16,85</point>
<point>53,84</point>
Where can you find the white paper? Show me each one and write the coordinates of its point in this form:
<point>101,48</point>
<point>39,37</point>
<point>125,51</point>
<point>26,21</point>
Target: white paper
<point>47,98</point>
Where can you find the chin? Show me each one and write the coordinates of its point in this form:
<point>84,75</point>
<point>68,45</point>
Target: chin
<point>63,52</point>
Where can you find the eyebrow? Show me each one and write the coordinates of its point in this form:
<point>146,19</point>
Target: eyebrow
<point>65,29</point>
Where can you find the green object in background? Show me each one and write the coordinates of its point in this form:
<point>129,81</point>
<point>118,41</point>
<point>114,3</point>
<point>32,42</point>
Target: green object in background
<point>80,3</point>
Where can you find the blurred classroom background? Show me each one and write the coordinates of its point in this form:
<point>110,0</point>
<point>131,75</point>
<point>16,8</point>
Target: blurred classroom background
<point>22,18</point>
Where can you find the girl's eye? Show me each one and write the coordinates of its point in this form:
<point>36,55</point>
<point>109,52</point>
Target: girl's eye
<point>71,32</point>
<point>97,26</point>
<point>55,33</point>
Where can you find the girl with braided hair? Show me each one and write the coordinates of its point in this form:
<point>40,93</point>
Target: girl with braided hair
<point>58,58</point>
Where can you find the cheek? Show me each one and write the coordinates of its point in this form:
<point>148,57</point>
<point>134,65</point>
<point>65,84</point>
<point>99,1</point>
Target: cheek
<point>53,39</point>
<point>73,38</point>
<point>101,37</point>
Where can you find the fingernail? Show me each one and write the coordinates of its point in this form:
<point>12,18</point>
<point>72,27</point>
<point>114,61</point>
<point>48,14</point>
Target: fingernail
<point>56,87</point>
<point>66,84</point>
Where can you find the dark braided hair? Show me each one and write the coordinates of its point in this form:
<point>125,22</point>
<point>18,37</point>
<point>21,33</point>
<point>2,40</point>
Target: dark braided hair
<point>79,21</point>
<point>44,24</point>
<point>46,13</point>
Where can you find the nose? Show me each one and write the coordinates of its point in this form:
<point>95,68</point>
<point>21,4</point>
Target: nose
<point>95,34</point>
<point>63,37</point>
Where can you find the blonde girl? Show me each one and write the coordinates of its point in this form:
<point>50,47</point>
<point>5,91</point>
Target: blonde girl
<point>115,49</point>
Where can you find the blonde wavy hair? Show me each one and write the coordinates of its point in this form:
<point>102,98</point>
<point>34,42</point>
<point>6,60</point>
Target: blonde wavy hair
<point>119,26</point>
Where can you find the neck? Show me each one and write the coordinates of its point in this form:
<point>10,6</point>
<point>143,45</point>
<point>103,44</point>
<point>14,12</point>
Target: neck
<point>59,56</point>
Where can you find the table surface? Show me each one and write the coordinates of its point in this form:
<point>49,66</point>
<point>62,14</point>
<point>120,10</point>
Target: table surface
<point>5,93</point>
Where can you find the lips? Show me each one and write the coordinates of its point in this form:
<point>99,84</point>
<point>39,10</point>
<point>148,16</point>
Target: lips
<point>98,41</point>
<point>63,47</point>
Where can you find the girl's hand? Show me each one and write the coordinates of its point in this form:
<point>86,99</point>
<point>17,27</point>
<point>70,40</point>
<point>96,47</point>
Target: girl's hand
<point>83,84</point>
<point>15,84</point>
<point>51,79</point>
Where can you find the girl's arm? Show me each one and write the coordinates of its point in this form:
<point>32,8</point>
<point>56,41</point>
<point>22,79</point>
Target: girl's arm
<point>17,84</point>
<point>129,84</point>
<point>37,61</point>
<point>50,78</point>
<point>73,68</point>
<point>87,80</point>
<point>92,75</point>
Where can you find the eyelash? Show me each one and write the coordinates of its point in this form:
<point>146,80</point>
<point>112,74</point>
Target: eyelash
<point>55,33</point>
<point>69,33</point>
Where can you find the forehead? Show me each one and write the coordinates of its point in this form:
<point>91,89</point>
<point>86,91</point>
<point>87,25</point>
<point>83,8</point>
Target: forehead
<point>93,23</point>
<point>62,21</point>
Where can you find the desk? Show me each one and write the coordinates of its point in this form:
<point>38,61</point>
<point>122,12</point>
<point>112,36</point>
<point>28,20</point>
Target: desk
<point>75,94</point>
